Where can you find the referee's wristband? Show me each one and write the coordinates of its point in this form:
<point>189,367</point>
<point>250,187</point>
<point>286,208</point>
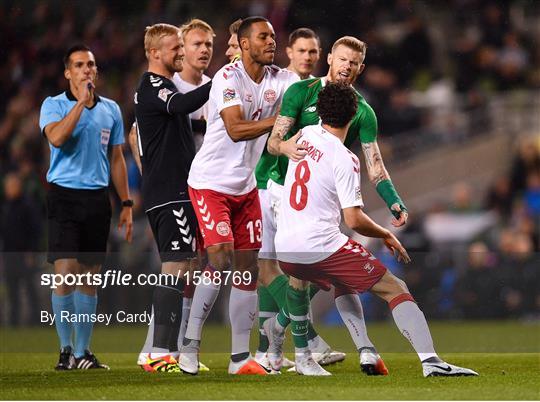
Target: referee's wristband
<point>127,203</point>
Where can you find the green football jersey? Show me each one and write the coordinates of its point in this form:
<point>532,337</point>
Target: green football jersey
<point>300,103</point>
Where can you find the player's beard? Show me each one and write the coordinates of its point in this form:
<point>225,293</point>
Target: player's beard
<point>175,66</point>
<point>263,58</point>
<point>334,75</point>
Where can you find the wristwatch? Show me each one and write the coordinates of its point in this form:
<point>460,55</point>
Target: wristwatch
<point>127,203</point>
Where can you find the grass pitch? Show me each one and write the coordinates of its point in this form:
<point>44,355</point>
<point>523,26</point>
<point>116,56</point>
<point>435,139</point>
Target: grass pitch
<point>507,356</point>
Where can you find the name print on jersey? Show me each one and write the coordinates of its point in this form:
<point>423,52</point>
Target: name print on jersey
<point>312,152</point>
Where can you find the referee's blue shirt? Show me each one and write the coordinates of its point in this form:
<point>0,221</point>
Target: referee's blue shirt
<point>82,162</point>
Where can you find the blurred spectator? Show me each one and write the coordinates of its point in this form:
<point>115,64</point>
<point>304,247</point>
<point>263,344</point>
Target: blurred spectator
<point>517,265</point>
<point>525,162</point>
<point>499,198</point>
<point>532,194</point>
<point>415,51</point>
<point>400,115</point>
<point>462,199</point>
<point>20,227</point>
<point>477,290</point>
<point>512,62</point>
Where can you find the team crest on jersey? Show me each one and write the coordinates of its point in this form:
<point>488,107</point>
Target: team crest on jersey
<point>248,98</point>
<point>164,93</point>
<point>223,228</point>
<point>228,94</point>
<point>270,96</point>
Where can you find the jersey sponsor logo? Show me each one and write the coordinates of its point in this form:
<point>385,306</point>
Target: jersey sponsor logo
<point>175,244</point>
<point>310,109</point>
<point>228,94</point>
<point>270,96</point>
<point>164,93</point>
<point>223,229</point>
<point>155,81</point>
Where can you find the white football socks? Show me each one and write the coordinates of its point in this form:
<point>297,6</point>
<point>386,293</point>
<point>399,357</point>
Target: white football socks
<point>242,313</point>
<point>147,347</point>
<point>186,308</point>
<point>203,300</point>
<point>413,325</point>
<point>352,314</point>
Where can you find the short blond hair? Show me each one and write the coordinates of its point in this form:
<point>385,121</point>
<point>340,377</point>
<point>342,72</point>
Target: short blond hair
<point>233,28</point>
<point>352,43</point>
<point>196,23</point>
<point>153,35</point>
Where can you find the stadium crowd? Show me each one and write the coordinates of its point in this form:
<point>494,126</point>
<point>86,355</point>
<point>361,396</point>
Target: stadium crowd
<point>421,59</point>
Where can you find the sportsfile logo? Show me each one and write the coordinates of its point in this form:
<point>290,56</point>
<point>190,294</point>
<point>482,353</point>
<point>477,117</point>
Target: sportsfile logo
<point>119,278</point>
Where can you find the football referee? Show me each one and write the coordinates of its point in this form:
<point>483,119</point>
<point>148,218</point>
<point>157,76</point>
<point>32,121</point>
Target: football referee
<point>166,150</point>
<point>83,129</point>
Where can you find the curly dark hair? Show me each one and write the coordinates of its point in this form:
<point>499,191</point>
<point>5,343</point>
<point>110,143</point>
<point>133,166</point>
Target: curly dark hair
<point>337,104</point>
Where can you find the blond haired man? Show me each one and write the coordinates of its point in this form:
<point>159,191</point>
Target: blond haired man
<point>166,149</point>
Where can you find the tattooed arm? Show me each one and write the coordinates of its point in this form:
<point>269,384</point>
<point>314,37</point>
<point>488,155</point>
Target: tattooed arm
<point>289,148</point>
<point>379,176</point>
<point>374,162</point>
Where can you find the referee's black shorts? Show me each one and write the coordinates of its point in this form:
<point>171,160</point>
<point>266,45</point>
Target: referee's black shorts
<point>175,231</point>
<point>78,224</point>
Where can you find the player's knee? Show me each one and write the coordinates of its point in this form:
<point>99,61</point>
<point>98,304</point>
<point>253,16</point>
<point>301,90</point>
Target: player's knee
<point>394,288</point>
<point>268,271</point>
<point>87,289</point>
<point>298,284</point>
<point>63,289</point>
<point>220,256</point>
<point>400,285</point>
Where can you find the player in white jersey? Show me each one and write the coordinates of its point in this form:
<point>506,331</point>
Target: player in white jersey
<point>198,39</point>
<point>316,190</point>
<point>242,108</point>
<point>303,51</point>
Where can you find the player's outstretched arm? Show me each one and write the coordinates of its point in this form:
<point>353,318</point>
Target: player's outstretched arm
<point>189,102</point>
<point>379,176</point>
<point>243,130</point>
<point>361,223</point>
<point>134,146</point>
<point>290,148</point>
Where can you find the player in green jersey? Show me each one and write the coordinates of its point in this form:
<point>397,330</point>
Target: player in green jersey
<point>299,110</point>
<point>304,51</point>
